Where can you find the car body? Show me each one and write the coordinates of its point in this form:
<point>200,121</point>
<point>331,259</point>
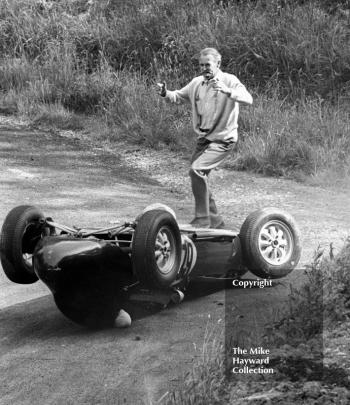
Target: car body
<point>93,272</point>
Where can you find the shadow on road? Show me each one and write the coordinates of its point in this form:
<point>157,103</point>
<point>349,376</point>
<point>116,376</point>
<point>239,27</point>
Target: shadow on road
<point>40,318</point>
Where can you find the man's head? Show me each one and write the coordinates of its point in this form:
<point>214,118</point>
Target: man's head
<point>209,62</point>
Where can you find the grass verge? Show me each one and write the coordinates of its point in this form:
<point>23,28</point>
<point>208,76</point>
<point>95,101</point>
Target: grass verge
<point>309,346</point>
<point>64,58</point>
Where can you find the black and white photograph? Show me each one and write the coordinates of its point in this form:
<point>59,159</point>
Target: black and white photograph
<point>175,202</point>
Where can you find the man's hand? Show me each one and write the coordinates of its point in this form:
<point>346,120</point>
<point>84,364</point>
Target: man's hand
<point>162,89</point>
<point>220,86</point>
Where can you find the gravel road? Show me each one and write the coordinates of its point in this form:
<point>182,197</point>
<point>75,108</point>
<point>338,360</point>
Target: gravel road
<point>45,358</point>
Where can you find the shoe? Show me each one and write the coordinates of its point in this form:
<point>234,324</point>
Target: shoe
<point>202,222</point>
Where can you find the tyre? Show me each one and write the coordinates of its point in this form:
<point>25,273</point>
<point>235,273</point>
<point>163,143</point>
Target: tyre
<point>20,233</point>
<point>270,243</point>
<point>156,249</point>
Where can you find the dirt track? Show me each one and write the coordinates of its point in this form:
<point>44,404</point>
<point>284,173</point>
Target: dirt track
<point>46,359</point>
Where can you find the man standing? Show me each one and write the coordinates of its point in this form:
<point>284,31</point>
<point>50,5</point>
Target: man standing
<point>214,98</point>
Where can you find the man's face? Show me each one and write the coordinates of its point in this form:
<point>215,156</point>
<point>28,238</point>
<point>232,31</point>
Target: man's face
<point>209,66</point>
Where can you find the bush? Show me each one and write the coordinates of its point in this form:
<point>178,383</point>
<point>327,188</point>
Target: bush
<point>336,289</point>
<point>295,341</point>
<point>55,115</point>
<point>144,118</point>
<point>321,302</point>
<point>206,383</point>
<point>281,138</point>
<point>302,45</point>
<point>105,58</point>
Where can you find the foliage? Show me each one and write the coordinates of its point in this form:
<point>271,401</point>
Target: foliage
<point>295,339</point>
<point>206,383</point>
<point>280,138</point>
<point>336,288</point>
<point>301,45</point>
<point>105,57</point>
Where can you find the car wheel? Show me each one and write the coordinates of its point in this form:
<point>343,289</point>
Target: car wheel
<point>156,249</point>
<point>19,235</point>
<point>270,243</point>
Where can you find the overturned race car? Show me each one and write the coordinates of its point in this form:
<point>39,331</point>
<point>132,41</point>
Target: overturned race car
<point>93,272</point>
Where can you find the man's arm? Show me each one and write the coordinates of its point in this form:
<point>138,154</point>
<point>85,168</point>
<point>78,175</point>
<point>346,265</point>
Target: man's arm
<point>175,96</point>
<point>236,91</point>
<point>240,94</point>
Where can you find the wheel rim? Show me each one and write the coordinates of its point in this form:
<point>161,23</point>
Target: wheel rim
<point>275,243</point>
<point>165,252</point>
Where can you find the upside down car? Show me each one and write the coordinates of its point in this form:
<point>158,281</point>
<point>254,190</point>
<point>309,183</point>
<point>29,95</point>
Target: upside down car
<point>92,272</point>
